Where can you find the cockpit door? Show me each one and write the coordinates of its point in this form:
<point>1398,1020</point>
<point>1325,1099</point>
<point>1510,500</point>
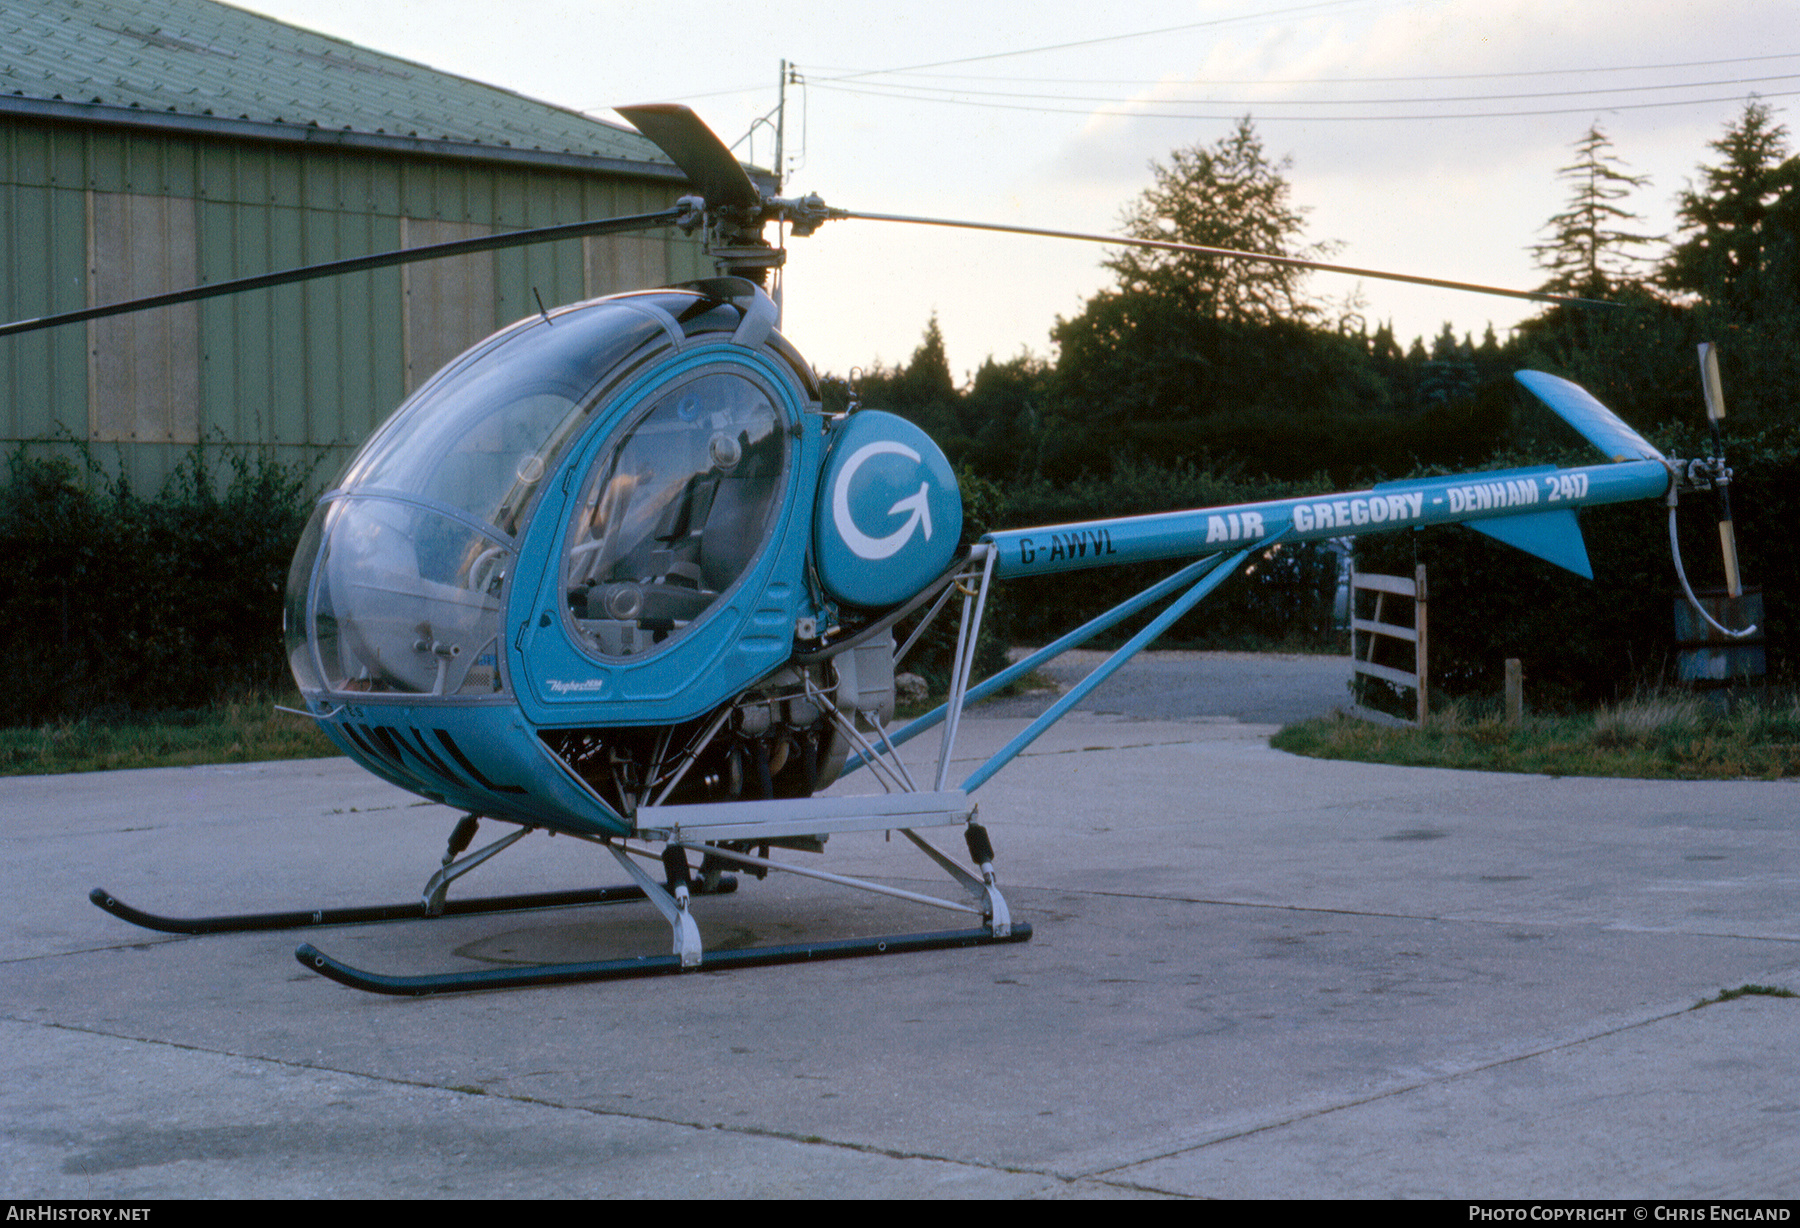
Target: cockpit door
<point>663,591</point>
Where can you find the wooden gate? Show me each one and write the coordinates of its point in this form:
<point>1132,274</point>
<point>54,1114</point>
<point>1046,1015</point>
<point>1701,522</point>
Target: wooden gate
<point>1390,592</point>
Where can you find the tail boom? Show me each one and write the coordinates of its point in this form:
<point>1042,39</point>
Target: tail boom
<point>1474,499</point>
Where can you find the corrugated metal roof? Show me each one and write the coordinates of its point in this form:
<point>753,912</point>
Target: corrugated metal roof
<point>208,61</point>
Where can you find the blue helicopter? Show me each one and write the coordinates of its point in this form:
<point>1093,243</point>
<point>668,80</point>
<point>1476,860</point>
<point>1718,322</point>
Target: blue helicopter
<point>616,574</point>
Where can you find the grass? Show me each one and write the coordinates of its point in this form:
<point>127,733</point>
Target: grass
<point>1656,737</point>
<point>248,731</point>
<point>1746,991</point>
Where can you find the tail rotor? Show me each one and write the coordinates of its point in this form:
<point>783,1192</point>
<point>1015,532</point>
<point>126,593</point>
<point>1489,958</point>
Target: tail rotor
<point>1721,482</point>
<point>1712,473</point>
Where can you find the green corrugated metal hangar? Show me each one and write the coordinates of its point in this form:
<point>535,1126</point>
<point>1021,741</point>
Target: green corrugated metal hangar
<point>151,145</point>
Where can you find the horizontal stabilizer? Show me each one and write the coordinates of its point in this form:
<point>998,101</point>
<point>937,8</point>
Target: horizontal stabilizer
<point>1554,536</point>
<point>1596,423</point>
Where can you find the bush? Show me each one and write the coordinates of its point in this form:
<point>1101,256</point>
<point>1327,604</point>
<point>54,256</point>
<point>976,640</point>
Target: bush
<point>1582,643</point>
<point>121,603</point>
<point>1282,598</point>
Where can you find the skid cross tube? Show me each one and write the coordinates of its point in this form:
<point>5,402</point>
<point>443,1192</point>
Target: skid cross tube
<point>672,904</point>
<point>671,898</point>
<point>439,883</point>
<point>432,902</point>
<point>842,880</point>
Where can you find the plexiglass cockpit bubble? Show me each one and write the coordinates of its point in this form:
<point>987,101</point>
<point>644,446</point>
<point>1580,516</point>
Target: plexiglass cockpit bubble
<point>399,581</point>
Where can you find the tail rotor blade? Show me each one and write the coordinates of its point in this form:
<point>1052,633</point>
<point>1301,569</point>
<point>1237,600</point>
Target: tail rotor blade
<point>1710,385</point>
<point>1714,392</point>
<point>1734,582</point>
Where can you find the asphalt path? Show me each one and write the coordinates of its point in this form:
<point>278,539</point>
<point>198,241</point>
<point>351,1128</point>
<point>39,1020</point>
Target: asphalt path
<point>1260,688</point>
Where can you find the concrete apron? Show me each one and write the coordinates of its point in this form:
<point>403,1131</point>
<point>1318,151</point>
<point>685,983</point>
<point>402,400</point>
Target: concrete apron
<point>1252,975</point>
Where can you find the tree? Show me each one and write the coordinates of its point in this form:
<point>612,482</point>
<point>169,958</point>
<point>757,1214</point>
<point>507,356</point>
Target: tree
<point>926,380</point>
<point>1004,409</point>
<point>1450,374</point>
<point>1588,254</point>
<point>1616,355</point>
<point>922,391</point>
<point>1224,195</point>
<point>1727,225</point>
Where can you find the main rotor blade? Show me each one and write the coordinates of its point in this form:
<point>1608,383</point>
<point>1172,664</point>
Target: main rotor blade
<point>700,154</point>
<point>355,264</point>
<point>1231,254</point>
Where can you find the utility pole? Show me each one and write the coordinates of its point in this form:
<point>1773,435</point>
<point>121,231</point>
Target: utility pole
<point>775,287</point>
<point>780,125</point>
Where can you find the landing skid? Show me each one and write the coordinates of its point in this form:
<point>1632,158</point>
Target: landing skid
<point>672,894</point>
<point>246,922</point>
<point>718,833</point>
<point>431,903</point>
<point>315,960</point>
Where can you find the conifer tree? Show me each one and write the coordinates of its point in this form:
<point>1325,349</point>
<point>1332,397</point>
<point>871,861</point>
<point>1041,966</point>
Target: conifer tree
<point>922,391</point>
<point>1733,223</point>
<point>1589,251</point>
<point>1230,195</point>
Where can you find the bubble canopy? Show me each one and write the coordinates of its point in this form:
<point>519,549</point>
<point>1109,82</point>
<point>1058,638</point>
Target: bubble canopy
<point>402,573</point>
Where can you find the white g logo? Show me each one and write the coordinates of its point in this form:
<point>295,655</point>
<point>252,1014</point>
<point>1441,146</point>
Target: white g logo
<point>860,543</point>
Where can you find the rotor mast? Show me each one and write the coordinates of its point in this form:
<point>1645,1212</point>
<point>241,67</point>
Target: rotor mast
<point>726,203</point>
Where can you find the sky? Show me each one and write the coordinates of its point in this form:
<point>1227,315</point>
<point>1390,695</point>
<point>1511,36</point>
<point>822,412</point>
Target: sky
<point>1424,136</point>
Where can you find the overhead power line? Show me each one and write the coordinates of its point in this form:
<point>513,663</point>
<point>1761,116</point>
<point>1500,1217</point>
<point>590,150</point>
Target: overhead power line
<point>1140,113</point>
<point>849,74</point>
<point>908,91</point>
<point>1109,38</point>
<point>858,73</point>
